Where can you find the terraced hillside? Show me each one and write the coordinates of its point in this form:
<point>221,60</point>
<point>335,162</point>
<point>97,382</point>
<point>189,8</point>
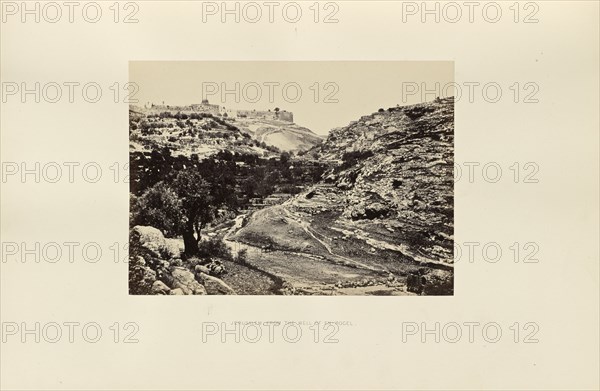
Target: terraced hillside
<point>199,134</point>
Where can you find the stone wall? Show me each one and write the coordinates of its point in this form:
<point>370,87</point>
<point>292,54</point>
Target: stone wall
<point>194,108</point>
<point>269,115</point>
<point>206,107</point>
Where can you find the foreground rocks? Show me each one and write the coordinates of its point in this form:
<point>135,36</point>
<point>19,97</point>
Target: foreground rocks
<point>160,288</point>
<point>156,267</point>
<point>185,280</point>
<point>430,282</point>
<point>213,285</point>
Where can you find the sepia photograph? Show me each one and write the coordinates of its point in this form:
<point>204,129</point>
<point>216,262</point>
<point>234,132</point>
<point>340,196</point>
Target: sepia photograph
<point>239,187</point>
<point>346,195</point>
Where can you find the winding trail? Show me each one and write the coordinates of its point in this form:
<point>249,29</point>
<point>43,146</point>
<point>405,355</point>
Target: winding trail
<point>305,225</point>
<point>290,218</point>
<point>308,273</point>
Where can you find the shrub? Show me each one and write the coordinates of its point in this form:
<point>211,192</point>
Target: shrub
<point>214,248</point>
<point>242,257</point>
<point>290,189</point>
<point>351,158</point>
<point>158,207</point>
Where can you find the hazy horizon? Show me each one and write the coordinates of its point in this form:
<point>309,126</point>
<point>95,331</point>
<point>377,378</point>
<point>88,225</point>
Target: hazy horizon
<point>312,87</point>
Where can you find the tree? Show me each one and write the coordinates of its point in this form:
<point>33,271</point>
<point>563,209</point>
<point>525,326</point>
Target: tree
<point>197,204</point>
<point>284,158</point>
<point>249,187</point>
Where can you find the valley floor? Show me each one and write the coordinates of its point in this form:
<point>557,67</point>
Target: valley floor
<point>292,251</point>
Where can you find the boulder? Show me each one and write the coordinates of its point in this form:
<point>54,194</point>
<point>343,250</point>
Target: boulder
<point>376,210</point>
<point>186,281</point>
<point>154,241</point>
<point>176,262</point>
<point>149,238</point>
<point>214,285</point>
<point>365,209</point>
<point>431,282</point>
<point>159,288</point>
<point>173,248</point>
<point>176,291</point>
<point>201,269</point>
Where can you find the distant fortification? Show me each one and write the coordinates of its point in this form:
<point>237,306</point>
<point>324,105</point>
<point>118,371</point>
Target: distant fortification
<point>203,107</point>
<point>206,107</point>
<point>271,115</point>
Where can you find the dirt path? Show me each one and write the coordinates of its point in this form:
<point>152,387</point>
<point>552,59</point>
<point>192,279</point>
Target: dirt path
<point>305,225</point>
<point>313,274</point>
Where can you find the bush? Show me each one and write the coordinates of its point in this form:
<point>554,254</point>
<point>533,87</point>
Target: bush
<point>214,248</point>
<point>191,262</point>
<point>241,257</point>
<point>351,158</point>
<point>290,189</point>
<point>158,207</point>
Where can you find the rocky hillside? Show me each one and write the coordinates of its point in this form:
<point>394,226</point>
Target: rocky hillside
<point>397,165</point>
<point>286,136</point>
<point>384,208</point>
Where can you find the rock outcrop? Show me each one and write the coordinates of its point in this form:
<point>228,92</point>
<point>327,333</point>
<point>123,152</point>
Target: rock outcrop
<point>156,268</point>
<point>214,286</point>
<point>148,238</point>
<point>185,280</point>
<point>159,288</point>
<point>397,166</point>
<point>430,282</point>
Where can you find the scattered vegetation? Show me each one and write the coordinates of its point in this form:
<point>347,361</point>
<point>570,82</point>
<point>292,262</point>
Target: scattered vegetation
<point>181,195</point>
<point>241,257</point>
<point>350,159</point>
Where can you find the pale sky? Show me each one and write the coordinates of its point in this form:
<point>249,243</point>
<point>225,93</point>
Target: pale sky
<point>360,88</point>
